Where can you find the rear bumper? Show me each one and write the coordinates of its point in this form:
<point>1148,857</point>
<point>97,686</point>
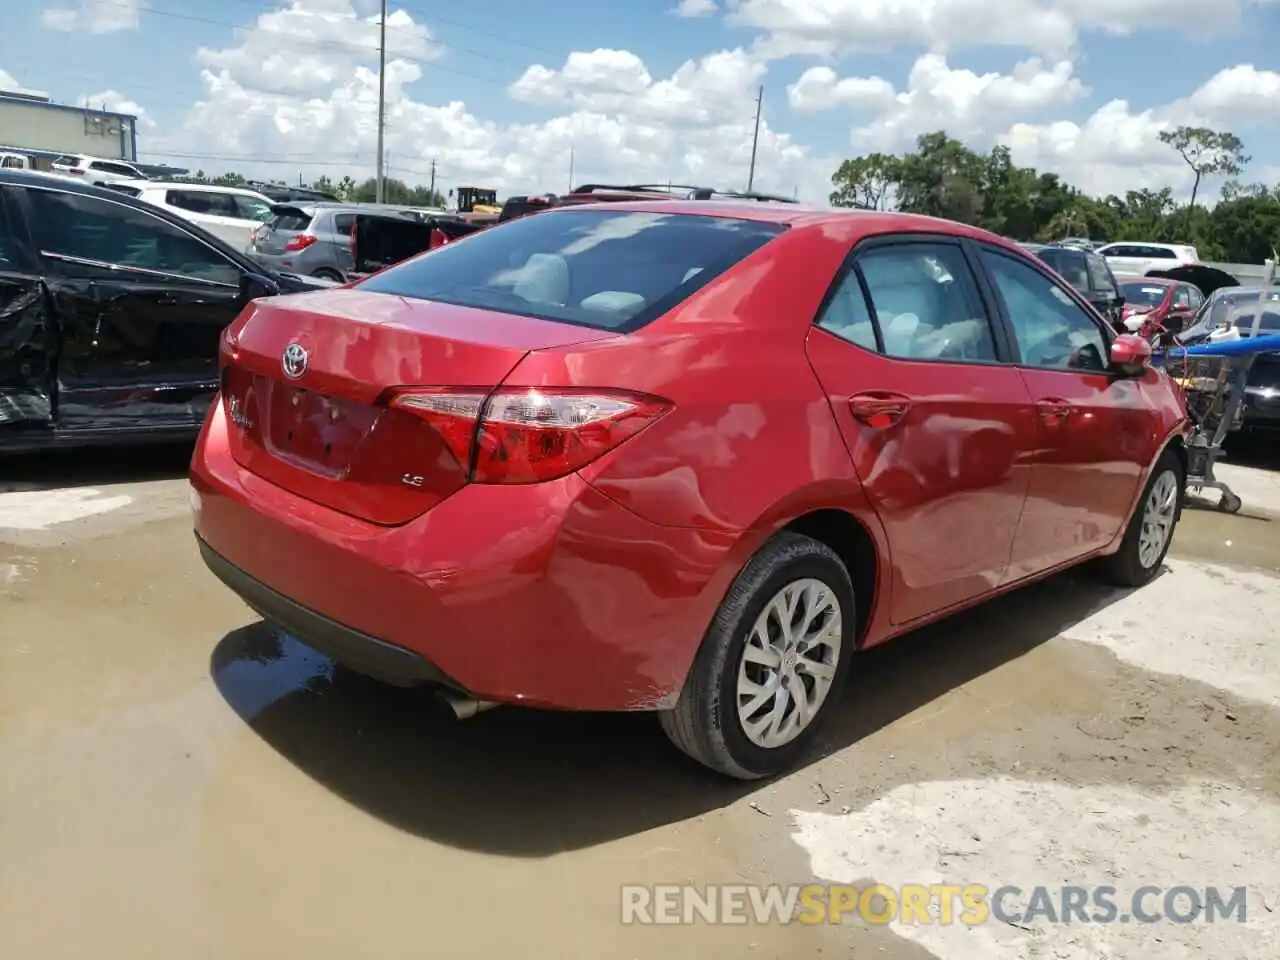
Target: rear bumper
<point>359,651</point>
<point>549,595</point>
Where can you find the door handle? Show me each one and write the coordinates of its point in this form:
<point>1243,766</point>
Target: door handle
<point>879,410</point>
<point>1054,411</point>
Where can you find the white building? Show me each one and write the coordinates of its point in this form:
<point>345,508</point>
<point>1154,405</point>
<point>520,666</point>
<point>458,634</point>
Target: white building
<point>32,123</point>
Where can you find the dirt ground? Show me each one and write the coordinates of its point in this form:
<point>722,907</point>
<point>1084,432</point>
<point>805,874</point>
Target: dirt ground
<point>177,781</point>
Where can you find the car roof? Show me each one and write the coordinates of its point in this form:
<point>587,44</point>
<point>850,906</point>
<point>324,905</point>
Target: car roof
<point>195,187</point>
<point>797,215</point>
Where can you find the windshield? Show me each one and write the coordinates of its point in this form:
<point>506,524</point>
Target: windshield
<point>1143,294</point>
<point>611,270</point>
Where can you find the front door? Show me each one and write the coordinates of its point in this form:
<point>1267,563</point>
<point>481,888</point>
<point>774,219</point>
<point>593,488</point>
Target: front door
<point>140,305</point>
<point>938,426</point>
<point>26,335</point>
<point>1097,431</point>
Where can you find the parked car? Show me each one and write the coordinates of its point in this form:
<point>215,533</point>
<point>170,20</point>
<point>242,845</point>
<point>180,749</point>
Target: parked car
<point>1089,274</point>
<point>230,213</point>
<point>613,193</point>
<point>110,314</point>
<point>1154,304</point>
<point>1235,311</point>
<point>314,239</point>
<point>284,193</point>
<point>677,456</point>
<point>95,169</point>
<point>1138,258</point>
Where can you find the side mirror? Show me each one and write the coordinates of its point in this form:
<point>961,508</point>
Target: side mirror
<point>255,285</point>
<point>1130,355</point>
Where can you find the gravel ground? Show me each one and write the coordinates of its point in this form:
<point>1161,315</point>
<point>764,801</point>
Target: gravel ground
<point>179,781</point>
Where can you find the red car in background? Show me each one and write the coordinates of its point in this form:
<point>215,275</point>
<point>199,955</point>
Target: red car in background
<point>684,457</point>
<point>1157,306</point>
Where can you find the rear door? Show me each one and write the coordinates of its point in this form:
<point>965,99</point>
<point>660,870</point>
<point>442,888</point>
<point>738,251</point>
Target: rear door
<point>27,333</point>
<point>140,305</point>
<point>939,426</point>
<point>1097,431</point>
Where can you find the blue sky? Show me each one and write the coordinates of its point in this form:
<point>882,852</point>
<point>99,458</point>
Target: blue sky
<point>276,111</point>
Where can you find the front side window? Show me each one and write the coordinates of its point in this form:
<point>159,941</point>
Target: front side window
<point>1051,329</point>
<point>610,270</point>
<point>115,235</point>
<point>927,302</point>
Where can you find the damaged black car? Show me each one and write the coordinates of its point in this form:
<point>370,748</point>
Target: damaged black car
<point>110,314</point>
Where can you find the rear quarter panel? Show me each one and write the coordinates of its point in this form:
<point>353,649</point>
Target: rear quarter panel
<point>750,437</point>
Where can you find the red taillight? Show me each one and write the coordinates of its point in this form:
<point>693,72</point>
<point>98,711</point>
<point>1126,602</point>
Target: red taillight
<point>527,435</point>
<point>437,239</point>
<point>351,240</point>
<point>300,242</point>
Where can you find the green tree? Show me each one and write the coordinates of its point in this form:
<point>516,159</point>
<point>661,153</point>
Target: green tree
<point>1207,152</point>
<point>865,182</point>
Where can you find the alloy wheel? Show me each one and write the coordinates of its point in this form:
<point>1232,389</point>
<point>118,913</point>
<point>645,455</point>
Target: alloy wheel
<point>1158,514</point>
<point>789,662</point>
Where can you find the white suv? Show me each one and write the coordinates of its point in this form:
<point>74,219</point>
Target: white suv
<point>1138,258</point>
<point>230,213</point>
<point>95,169</point>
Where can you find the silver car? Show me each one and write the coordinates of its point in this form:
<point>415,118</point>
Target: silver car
<point>313,239</point>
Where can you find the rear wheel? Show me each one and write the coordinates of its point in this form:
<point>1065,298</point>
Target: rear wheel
<point>1150,531</point>
<point>772,663</point>
<point>324,273</point>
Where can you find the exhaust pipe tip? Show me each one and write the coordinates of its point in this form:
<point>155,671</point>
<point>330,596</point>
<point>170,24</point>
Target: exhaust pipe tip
<point>464,707</point>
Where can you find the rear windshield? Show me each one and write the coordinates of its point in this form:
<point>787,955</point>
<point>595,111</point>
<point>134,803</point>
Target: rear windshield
<point>290,218</point>
<point>1143,294</point>
<point>1069,264</point>
<point>610,270</point>
<point>118,168</point>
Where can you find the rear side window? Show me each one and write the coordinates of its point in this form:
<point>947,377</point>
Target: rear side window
<point>343,222</point>
<point>926,302</point>
<point>601,269</point>
<point>127,190</point>
<point>202,201</point>
<point>1159,253</point>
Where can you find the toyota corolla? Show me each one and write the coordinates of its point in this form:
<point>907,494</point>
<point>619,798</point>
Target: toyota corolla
<point>679,457</point>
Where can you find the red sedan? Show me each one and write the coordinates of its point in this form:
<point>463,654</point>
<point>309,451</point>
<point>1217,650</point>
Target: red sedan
<point>685,457</point>
<point>1154,305</point>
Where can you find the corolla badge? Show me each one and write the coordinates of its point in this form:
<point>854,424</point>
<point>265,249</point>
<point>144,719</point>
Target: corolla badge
<point>294,360</point>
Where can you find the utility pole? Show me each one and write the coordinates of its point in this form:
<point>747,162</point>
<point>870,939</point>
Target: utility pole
<point>755,139</point>
<point>571,168</point>
<point>431,193</point>
<point>382,98</point>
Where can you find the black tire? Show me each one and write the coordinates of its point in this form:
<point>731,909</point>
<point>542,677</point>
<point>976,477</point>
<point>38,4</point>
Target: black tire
<point>1124,568</point>
<point>324,273</point>
<point>705,722</point>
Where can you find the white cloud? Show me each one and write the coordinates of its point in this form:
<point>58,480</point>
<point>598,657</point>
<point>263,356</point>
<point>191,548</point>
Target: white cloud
<point>92,16</point>
<point>312,45</point>
<point>313,109</point>
<point>9,84</point>
<point>118,103</point>
<point>1047,27</point>
<point>966,104</point>
<point>1117,149</point>
<point>696,8</point>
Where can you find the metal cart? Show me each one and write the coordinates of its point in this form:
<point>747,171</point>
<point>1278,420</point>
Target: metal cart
<point>1213,377</point>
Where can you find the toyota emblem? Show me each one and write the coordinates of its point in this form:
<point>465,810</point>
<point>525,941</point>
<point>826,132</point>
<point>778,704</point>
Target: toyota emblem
<point>294,361</point>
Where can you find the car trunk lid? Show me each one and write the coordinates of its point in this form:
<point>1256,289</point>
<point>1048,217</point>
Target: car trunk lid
<point>306,377</point>
<point>287,221</point>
